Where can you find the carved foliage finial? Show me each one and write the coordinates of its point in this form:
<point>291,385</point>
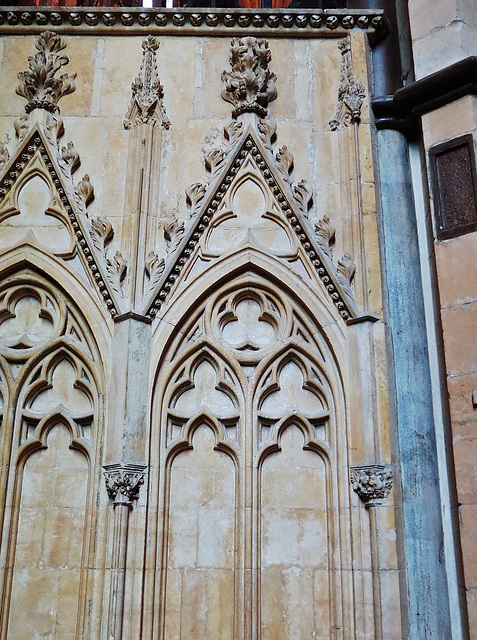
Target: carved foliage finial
<point>372,483</point>
<point>250,86</point>
<point>351,93</point>
<point>146,105</point>
<point>123,482</point>
<point>39,85</point>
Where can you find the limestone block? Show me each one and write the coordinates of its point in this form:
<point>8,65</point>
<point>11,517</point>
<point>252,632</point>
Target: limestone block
<point>442,33</point>
<point>176,67</point>
<point>466,474</point>
<point>458,325</point>
<point>461,406</point>
<point>450,121</point>
<point>467,516</point>
<point>326,59</point>
<point>457,271</point>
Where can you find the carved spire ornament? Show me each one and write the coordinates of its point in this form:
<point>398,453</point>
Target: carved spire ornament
<point>372,483</point>
<point>250,86</point>
<point>146,105</point>
<point>39,85</point>
<point>351,93</point>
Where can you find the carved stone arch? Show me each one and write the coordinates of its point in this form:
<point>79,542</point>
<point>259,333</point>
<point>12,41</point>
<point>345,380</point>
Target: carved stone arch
<point>309,440</point>
<point>6,386</point>
<point>195,452</point>
<point>295,503</point>
<point>253,264</point>
<point>322,418</point>
<point>39,381</point>
<point>195,423</point>
<point>48,508</point>
<point>28,261</point>
<point>57,379</point>
<point>252,274</point>
<point>41,441</point>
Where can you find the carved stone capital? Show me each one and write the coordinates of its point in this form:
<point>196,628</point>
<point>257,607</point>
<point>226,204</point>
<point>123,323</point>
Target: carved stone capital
<point>123,481</point>
<point>372,483</point>
<point>39,85</point>
<point>250,86</point>
<point>146,105</point>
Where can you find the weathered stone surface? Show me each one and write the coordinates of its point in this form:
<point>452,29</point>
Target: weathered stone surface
<point>227,420</point>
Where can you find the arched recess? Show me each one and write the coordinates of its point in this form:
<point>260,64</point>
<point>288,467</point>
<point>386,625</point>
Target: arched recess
<point>264,328</point>
<point>197,487</point>
<point>52,440</point>
<point>297,532</point>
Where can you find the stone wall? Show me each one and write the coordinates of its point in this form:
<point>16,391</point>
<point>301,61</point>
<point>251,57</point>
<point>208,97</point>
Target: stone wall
<point>196,436</point>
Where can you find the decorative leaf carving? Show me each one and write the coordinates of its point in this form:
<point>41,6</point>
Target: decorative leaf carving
<point>267,131</point>
<point>325,235</point>
<point>232,133</point>
<point>345,272</point>
<point>195,194</point>
<point>303,196</point>
<point>53,128</point>
<point>123,482</point>
<point>154,268</point>
<point>85,190</point>
<point>22,125</point>
<point>284,159</point>
<point>70,157</point>
<point>116,268</point>
<point>250,86</point>
<point>173,232</point>
<point>146,106</point>
<point>372,483</point>
<point>101,233</point>
<point>4,154</point>
<point>39,85</point>
<point>214,161</point>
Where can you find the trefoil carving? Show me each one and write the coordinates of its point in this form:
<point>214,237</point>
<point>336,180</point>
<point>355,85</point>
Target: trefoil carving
<point>39,85</point>
<point>372,483</point>
<point>123,482</point>
<point>250,86</point>
<point>146,105</point>
<point>351,92</point>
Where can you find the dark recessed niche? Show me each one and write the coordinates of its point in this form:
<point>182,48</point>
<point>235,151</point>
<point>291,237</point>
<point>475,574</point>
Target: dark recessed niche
<point>454,187</point>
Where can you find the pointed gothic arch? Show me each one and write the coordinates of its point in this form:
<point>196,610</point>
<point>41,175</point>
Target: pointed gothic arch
<point>56,402</point>
<point>196,315</point>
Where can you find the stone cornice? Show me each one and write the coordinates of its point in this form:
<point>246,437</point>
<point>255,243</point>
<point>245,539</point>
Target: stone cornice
<point>402,110</point>
<point>304,23</point>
